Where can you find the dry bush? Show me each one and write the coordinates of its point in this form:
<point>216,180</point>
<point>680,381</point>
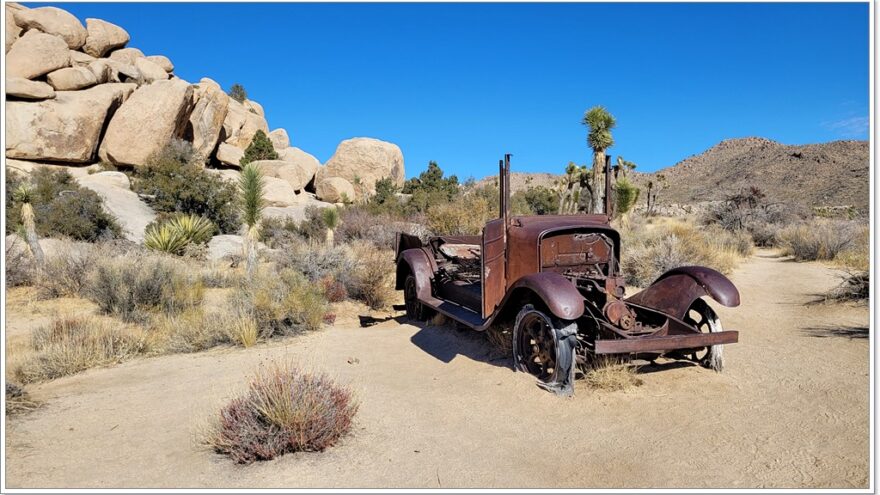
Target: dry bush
<point>69,345</point>
<point>67,273</point>
<point>611,373</point>
<point>316,260</point>
<point>18,401</point>
<point>359,224</point>
<point>20,266</point>
<point>648,252</point>
<point>334,290</point>
<point>855,286</point>
<point>132,286</point>
<point>281,303</point>
<point>464,217</point>
<point>275,232</point>
<point>191,330</point>
<point>372,279</point>
<point>500,338</point>
<point>821,239</point>
<point>215,277</point>
<point>284,410</point>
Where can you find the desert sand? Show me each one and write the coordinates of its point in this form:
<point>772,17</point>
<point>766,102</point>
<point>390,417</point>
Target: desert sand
<point>440,409</point>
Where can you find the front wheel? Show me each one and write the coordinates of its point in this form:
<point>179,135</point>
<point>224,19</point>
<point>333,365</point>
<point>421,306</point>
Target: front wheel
<point>415,310</point>
<point>702,317</point>
<point>544,347</point>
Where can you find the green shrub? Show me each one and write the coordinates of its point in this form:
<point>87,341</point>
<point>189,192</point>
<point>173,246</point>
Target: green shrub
<point>626,194</point>
<point>536,200</point>
<point>261,148</point>
<point>284,410</point>
<point>237,93</point>
<point>61,207</point>
<point>173,181</point>
<point>314,226</point>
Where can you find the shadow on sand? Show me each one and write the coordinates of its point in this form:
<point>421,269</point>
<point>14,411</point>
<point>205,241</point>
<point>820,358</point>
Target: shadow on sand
<point>842,331</point>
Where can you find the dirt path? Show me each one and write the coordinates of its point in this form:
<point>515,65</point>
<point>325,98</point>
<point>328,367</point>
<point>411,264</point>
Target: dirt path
<point>791,410</point>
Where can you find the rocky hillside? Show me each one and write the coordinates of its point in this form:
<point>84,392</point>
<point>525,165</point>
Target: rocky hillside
<point>78,95</point>
<point>826,174</point>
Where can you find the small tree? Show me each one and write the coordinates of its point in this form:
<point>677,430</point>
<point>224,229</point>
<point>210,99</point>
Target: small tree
<point>237,93</point>
<point>251,187</point>
<point>599,122</point>
<point>570,188</point>
<point>260,149</point>
<point>24,194</point>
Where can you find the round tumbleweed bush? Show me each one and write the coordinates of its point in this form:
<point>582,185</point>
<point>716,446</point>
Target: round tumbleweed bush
<point>284,410</point>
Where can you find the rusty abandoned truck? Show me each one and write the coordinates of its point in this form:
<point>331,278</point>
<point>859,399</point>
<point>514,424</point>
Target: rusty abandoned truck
<point>557,279</point>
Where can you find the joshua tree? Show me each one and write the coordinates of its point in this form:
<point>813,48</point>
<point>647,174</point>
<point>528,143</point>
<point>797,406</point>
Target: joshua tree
<point>654,187</point>
<point>251,189</point>
<point>571,187</point>
<point>622,167</point>
<point>25,195</point>
<point>599,122</point>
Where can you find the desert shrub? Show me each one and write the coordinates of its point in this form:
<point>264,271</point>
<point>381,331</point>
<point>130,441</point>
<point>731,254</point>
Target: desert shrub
<point>611,373</point>
<point>174,181</point>
<point>357,223</point>
<point>215,277</point>
<point>67,273</point>
<point>626,194</point>
<point>19,266</point>
<point>750,210</point>
<point>69,345</point>
<point>237,93</point>
<point>536,200</point>
<point>854,286</point>
<point>820,239</point>
<point>261,148</point>
<point>649,252</point>
<point>314,225</point>
<point>130,287</point>
<point>278,231</point>
<point>467,216</point>
<point>334,290</point>
<point>284,410</point>
<point>191,330</point>
<point>316,260</point>
<point>280,303</point>
<point>61,208</point>
<point>430,188</point>
<point>500,338</point>
<point>18,400</point>
<point>371,280</point>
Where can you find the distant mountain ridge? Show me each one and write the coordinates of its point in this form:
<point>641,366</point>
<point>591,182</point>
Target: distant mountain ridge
<point>835,173</point>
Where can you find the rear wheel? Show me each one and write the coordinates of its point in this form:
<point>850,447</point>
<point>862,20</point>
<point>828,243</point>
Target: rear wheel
<point>415,310</point>
<point>543,346</point>
<point>702,317</point>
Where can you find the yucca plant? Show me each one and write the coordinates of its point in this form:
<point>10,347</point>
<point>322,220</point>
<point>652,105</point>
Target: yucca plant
<point>251,187</point>
<point>331,220</point>
<point>197,230</point>
<point>166,238</point>
<point>25,195</point>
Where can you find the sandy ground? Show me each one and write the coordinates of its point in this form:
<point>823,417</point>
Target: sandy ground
<point>791,410</point>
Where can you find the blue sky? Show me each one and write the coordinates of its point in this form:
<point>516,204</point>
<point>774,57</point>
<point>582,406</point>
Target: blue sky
<point>464,83</point>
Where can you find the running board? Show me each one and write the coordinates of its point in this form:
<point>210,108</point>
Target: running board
<point>665,343</point>
<point>458,313</point>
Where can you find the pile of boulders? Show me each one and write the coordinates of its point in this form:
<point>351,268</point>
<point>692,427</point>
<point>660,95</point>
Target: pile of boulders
<point>78,95</point>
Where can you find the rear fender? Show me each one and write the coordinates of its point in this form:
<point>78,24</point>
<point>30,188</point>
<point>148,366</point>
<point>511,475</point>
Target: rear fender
<point>417,262</point>
<point>674,291</point>
<point>557,292</point>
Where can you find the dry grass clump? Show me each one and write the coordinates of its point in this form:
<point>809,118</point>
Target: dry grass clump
<point>18,401</point>
<point>284,410</point>
<point>648,252</point>
<point>69,345</point>
<point>821,239</point>
<point>611,373</point>
<point>191,330</point>
<point>372,279</point>
<point>281,303</point>
<point>500,338</point>
<point>459,218</point>
<point>131,287</point>
<point>855,286</point>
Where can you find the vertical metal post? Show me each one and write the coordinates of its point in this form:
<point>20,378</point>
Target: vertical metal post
<point>608,186</point>
<point>501,189</point>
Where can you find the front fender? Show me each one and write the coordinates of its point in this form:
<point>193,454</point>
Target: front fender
<point>674,291</point>
<point>415,261</point>
<point>558,293</point>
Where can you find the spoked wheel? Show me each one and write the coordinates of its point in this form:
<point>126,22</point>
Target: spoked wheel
<point>544,347</point>
<point>704,319</point>
<point>415,310</point>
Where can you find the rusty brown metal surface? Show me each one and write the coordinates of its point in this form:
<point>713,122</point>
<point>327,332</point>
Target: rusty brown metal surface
<point>569,266</point>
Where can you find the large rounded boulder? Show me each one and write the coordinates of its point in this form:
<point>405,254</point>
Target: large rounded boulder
<point>362,162</point>
<point>36,54</point>
<point>52,20</point>
<point>104,37</point>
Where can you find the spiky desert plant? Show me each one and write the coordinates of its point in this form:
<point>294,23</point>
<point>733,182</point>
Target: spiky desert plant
<point>166,238</point>
<point>251,187</point>
<point>25,195</point>
<point>196,229</point>
<point>599,122</point>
